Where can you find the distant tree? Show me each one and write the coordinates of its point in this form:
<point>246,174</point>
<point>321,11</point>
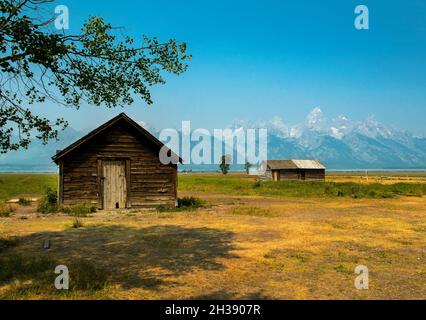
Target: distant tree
<point>225,163</point>
<point>97,65</point>
<point>247,167</point>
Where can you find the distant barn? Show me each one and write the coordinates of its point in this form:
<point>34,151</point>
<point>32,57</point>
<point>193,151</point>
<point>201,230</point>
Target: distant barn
<point>293,169</point>
<point>116,166</point>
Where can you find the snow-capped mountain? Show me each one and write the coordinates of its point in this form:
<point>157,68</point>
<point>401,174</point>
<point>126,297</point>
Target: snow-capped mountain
<point>339,143</point>
<point>343,144</point>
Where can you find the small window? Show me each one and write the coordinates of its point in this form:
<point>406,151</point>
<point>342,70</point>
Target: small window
<point>117,205</point>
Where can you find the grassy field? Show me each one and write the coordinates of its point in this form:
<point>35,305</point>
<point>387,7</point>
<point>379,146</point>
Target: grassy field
<point>335,186</point>
<point>25,185</point>
<point>382,177</point>
<point>278,240</point>
<point>378,185</point>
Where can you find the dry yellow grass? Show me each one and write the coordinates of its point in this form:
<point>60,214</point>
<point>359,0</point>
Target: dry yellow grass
<point>238,247</point>
<point>378,177</point>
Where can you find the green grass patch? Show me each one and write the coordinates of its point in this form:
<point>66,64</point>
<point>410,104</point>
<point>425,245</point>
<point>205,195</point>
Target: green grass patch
<point>35,275</point>
<point>340,268</point>
<point>257,184</point>
<point>183,204</point>
<point>238,185</point>
<point>252,211</point>
<point>5,210</point>
<point>189,202</point>
<point>49,202</point>
<point>76,223</point>
<point>25,185</point>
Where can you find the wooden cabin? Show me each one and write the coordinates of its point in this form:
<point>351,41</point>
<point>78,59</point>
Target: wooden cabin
<point>116,166</point>
<point>292,169</point>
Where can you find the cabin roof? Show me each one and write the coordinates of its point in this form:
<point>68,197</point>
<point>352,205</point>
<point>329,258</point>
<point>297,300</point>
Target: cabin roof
<point>294,164</point>
<point>122,116</point>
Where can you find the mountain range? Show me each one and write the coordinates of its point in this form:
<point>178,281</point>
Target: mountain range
<point>339,143</point>
<point>343,144</point>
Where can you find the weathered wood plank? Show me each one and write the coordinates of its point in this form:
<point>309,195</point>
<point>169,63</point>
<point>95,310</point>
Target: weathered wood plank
<point>145,176</point>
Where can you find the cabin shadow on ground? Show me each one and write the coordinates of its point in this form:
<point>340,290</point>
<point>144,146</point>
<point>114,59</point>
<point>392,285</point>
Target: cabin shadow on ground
<point>134,257</point>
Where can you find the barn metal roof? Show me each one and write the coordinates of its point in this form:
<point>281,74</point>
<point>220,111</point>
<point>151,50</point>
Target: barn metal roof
<point>295,164</point>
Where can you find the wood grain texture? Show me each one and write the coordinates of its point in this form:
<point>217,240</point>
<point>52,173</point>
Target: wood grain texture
<point>294,174</point>
<point>149,183</point>
<point>115,188</point>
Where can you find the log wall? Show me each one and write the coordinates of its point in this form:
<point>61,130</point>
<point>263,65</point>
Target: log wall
<point>297,174</point>
<point>151,182</point>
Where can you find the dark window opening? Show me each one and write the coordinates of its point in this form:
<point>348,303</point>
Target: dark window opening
<point>117,205</point>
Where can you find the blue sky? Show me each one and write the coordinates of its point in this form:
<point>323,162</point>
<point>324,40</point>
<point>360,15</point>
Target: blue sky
<point>260,59</point>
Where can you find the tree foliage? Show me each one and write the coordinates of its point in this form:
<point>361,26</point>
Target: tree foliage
<point>225,164</point>
<point>247,167</point>
<point>96,66</point>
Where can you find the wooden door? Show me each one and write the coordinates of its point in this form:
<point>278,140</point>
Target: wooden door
<point>276,175</point>
<point>114,184</point>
